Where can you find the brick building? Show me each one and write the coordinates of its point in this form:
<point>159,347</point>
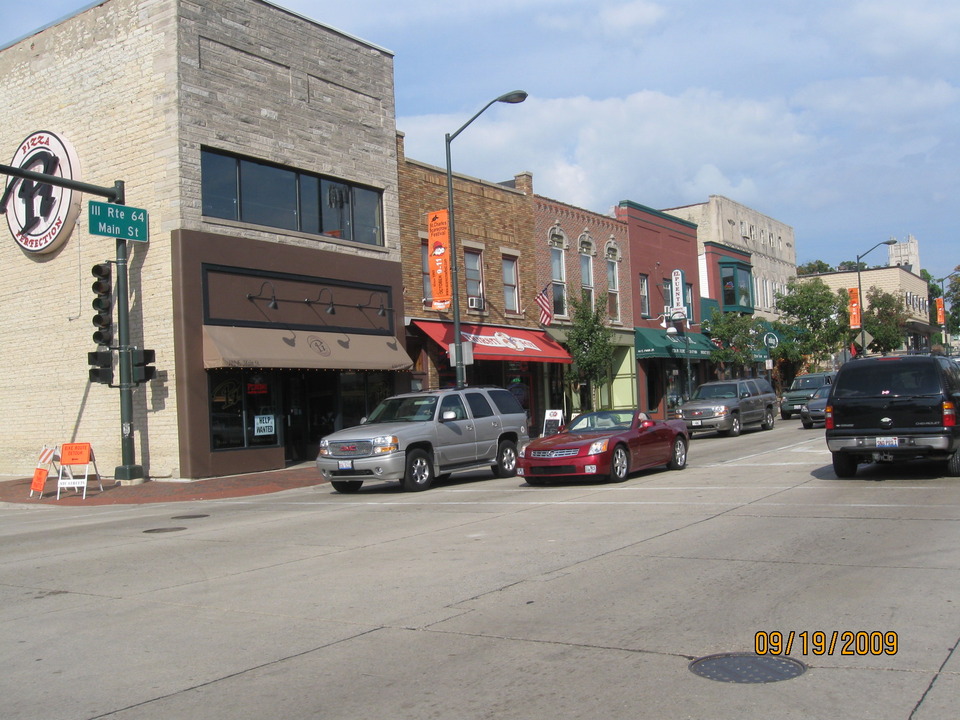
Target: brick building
<point>263,146</point>
<point>497,287</point>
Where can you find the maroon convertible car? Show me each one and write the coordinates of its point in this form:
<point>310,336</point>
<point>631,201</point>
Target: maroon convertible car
<point>608,444</point>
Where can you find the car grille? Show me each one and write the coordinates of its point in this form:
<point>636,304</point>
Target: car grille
<point>350,449</point>
<point>554,453</point>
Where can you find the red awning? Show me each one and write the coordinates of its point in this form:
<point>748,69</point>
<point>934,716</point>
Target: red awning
<point>499,343</point>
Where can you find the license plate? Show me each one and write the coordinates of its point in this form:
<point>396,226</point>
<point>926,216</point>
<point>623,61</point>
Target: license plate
<point>696,423</point>
<point>888,442</point>
<point>345,465</point>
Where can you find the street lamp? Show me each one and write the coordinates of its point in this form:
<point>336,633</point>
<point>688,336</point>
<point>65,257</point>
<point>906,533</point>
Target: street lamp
<point>943,294</point>
<point>863,330</point>
<point>672,330</point>
<point>517,96</point>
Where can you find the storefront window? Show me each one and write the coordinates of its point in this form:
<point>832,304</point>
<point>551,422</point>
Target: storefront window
<point>244,409</point>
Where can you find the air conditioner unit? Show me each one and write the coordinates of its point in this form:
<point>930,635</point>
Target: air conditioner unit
<point>475,303</point>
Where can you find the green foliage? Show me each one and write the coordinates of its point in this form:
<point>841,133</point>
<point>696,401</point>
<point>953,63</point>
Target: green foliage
<point>740,335</point>
<point>818,317</point>
<point>814,268</point>
<point>885,319</point>
<point>590,340</point>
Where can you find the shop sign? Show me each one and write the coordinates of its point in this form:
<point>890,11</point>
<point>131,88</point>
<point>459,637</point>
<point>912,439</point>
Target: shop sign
<point>42,216</point>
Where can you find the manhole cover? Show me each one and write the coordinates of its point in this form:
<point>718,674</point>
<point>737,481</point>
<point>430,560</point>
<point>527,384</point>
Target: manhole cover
<point>188,517</point>
<point>163,530</point>
<point>747,668</point>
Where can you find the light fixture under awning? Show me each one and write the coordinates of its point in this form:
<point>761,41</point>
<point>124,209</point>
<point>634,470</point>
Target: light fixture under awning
<point>225,346</point>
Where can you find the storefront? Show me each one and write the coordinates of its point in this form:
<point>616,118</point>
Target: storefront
<point>669,367</point>
<point>527,362</point>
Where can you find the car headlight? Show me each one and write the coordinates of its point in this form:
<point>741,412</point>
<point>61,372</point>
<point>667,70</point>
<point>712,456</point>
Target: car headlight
<point>720,410</point>
<point>383,444</point>
<point>598,447</point>
<point>324,448</point>
<point>522,450</point>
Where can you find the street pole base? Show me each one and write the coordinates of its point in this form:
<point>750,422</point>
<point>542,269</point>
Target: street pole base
<point>129,474</point>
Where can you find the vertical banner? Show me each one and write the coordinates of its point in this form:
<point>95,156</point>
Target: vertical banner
<point>438,259</point>
<point>854,308</point>
<point>941,315</point>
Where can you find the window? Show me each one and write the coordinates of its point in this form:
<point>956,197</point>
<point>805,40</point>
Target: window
<point>644,292</point>
<point>425,274</point>
<point>737,287</point>
<point>245,190</point>
<point>586,279</point>
<point>473,263</point>
<point>511,295</point>
<point>613,291</point>
<point>559,280</point>
<point>243,409</point>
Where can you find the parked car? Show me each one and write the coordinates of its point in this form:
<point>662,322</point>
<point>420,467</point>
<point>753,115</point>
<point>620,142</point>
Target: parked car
<point>727,406</point>
<point>606,444</point>
<point>419,436</point>
<point>813,411</point>
<point>892,408</point>
<point>801,390</point>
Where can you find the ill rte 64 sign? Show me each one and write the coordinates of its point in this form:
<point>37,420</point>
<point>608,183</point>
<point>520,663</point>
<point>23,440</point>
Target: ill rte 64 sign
<point>117,221</point>
<point>42,216</point>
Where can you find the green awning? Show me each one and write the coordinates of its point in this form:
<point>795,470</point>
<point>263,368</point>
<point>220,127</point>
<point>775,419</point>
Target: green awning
<point>651,343</point>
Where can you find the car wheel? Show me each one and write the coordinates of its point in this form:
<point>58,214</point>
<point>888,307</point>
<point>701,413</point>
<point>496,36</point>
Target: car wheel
<point>734,427</point>
<point>844,466</point>
<point>806,424</point>
<point>784,415</point>
<point>419,473</point>
<point>346,486</point>
<point>619,464</point>
<point>953,465</point>
<point>506,460</point>
<point>768,419</point>
<point>678,456</point>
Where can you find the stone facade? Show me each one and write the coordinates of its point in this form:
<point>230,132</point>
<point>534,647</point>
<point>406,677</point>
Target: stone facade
<point>139,87</point>
<point>770,243</point>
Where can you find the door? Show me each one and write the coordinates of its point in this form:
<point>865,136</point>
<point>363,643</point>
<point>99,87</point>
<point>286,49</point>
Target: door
<point>456,438</point>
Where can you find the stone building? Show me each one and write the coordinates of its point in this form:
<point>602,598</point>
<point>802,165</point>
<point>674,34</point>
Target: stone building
<point>773,253</point>
<point>263,146</point>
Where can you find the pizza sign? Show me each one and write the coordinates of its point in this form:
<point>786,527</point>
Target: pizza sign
<point>42,216</point>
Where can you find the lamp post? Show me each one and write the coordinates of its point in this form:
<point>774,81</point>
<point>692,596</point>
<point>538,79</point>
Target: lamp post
<point>943,294</point>
<point>517,96</point>
<point>863,330</point>
<point>674,317</point>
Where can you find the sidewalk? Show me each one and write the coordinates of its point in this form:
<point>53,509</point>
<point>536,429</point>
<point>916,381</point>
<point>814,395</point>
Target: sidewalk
<point>156,491</point>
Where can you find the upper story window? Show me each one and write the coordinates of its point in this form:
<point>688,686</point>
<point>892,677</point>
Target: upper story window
<point>737,283</point>
<point>511,281</point>
<point>237,188</point>
<point>613,291</point>
<point>425,274</point>
<point>558,277</point>
<point>586,279</point>
<point>473,263</point>
<point>644,292</point>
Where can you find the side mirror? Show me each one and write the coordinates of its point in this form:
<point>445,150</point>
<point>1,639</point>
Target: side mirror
<point>448,415</point>
<point>647,424</point>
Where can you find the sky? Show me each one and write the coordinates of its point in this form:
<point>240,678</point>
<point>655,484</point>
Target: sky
<point>840,118</point>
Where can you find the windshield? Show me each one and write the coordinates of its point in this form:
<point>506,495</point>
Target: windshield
<point>713,392</point>
<point>601,422</point>
<point>806,382</point>
<point>416,408</point>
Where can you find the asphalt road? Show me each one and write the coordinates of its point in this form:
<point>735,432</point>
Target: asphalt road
<point>486,598</point>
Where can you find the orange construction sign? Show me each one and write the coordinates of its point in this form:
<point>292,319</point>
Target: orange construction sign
<point>438,260</point>
<point>75,454</point>
<point>854,308</point>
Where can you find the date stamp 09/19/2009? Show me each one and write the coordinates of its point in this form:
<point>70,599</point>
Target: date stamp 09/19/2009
<point>829,642</point>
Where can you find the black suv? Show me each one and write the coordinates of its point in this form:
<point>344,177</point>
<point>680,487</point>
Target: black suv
<point>894,407</point>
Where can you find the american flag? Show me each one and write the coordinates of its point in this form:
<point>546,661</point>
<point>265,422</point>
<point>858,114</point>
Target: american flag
<point>545,303</point>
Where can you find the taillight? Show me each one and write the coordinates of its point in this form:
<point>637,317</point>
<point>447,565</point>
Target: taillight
<point>949,414</point>
<point>828,418</point>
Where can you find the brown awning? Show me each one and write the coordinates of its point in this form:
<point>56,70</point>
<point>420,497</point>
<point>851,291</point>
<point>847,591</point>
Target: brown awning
<point>275,348</point>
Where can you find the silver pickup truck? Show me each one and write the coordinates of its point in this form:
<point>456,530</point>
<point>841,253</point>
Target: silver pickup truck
<point>419,436</point>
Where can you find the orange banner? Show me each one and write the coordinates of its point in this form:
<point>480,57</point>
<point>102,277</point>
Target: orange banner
<point>854,308</point>
<point>75,454</point>
<point>438,259</point>
<point>941,315</point>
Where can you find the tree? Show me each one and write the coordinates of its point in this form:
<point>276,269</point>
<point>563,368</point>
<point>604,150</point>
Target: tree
<point>885,319</point>
<point>818,316</point>
<point>591,341</point>
<point>737,338</point>
<point>814,268</point>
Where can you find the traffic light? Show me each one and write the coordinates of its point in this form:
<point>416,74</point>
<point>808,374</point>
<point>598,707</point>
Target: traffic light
<point>143,370</point>
<point>103,304</point>
<point>101,366</point>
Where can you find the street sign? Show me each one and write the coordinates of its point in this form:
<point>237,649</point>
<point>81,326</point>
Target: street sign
<point>117,221</point>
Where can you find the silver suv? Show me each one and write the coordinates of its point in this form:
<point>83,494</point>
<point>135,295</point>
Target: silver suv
<point>727,406</point>
<point>419,436</point>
